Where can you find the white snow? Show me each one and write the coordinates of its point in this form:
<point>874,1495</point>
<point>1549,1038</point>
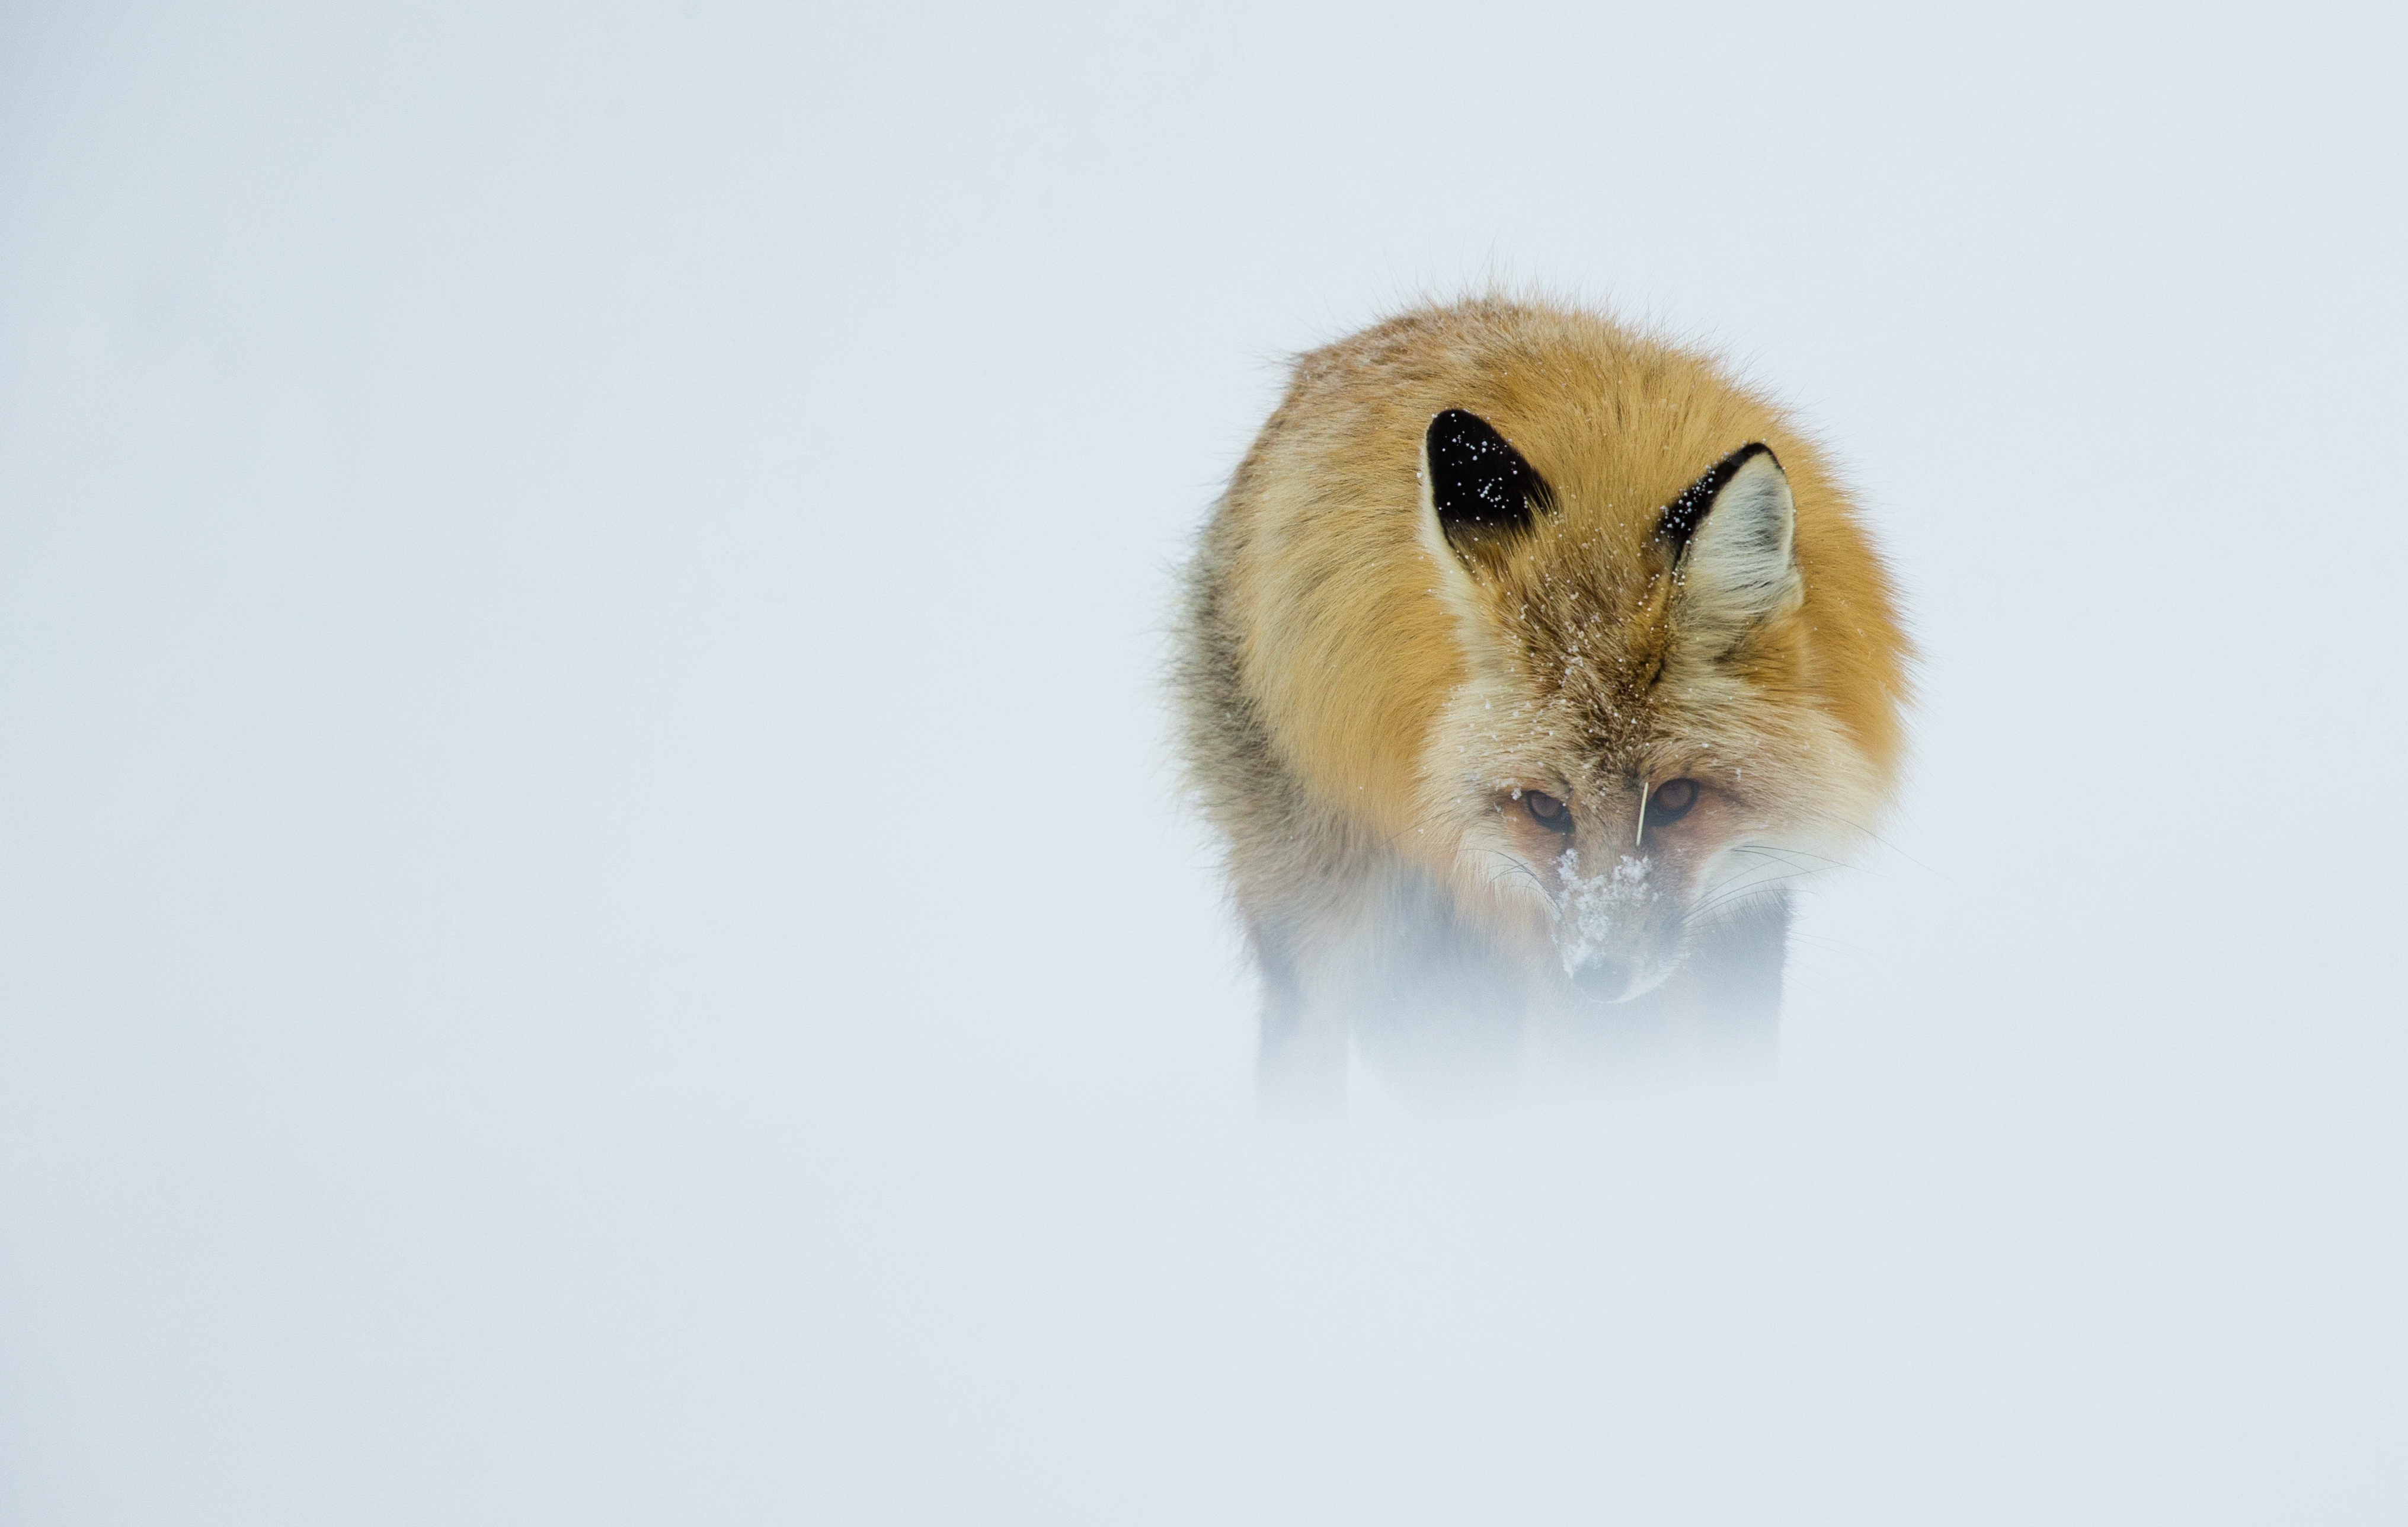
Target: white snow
<point>592,922</point>
<point>1590,905</point>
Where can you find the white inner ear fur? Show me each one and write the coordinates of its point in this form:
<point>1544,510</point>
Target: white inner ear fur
<point>1742,565</point>
<point>1455,587</point>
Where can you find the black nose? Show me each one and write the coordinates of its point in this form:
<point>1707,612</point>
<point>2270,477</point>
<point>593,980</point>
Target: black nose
<point>1603,980</point>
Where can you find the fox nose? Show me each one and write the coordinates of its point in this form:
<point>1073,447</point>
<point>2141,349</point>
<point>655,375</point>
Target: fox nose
<point>1603,980</point>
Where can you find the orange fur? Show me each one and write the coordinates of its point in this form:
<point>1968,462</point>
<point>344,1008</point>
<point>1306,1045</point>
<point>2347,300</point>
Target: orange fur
<point>1361,701</point>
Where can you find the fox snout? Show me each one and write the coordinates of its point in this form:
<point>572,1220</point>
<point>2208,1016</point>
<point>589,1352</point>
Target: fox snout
<point>1617,932</point>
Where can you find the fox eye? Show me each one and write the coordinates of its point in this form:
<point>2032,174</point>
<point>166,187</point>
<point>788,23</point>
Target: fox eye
<point>1669,801</point>
<point>1547,810</point>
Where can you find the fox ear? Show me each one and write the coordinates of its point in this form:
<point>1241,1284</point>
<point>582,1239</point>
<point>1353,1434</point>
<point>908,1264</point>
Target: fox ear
<point>1732,536</point>
<point>1478,486</point>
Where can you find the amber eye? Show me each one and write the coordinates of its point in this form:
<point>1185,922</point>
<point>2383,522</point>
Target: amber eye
<point>1669,801</point>
<point>1547,810</point>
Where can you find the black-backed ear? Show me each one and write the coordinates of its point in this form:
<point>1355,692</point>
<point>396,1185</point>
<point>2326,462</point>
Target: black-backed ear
<point>1479,485</point>
<point>1732,536</point>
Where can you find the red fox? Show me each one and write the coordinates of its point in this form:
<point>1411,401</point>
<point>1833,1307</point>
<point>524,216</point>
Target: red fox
<point>1525,664</point>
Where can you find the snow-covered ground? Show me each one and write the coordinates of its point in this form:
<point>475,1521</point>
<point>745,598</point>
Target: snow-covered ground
<point>594,923</point>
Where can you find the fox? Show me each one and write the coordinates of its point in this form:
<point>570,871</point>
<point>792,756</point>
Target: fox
<point>1525,666</point>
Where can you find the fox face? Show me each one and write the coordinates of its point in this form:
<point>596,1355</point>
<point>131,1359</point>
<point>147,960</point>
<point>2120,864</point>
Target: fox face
<point>1628,758</point>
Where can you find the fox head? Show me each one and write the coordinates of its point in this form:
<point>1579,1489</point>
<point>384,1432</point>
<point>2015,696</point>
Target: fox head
<point>1642,741</point>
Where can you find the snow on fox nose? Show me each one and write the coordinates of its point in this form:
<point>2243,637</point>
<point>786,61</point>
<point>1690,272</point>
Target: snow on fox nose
<point>1601,916</point>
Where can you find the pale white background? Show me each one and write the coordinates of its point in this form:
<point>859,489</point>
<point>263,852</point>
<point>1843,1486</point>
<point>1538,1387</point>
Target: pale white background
<point>594,922</point>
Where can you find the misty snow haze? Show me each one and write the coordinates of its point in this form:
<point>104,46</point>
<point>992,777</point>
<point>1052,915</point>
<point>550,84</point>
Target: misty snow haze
<point>596,920</point>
